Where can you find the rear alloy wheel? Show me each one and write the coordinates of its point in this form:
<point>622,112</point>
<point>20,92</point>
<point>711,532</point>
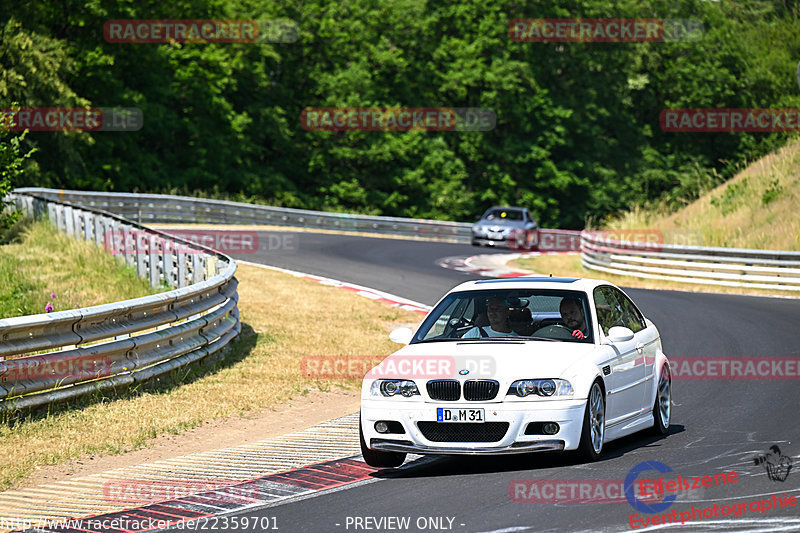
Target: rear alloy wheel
<point>662,407</point>
<point>377,458</point>
<point>594,424</point>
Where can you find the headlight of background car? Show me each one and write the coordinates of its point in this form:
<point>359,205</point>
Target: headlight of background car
<point>541,387</point>
<point>393,387</point>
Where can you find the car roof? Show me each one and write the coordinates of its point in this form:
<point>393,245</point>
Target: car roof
<point>576,284</point>
<point>508,208</point>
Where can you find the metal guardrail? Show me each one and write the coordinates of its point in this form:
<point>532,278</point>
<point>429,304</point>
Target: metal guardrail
<point>761,269</point>
<point>733,267</point>
<point>165,209</point>
<point>126,342</point>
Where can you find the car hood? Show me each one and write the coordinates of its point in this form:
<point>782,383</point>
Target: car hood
<point>491,359</point>
<point>487,224</point>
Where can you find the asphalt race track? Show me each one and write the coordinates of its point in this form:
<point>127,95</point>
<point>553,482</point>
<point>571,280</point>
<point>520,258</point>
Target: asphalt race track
<point>717,425</point>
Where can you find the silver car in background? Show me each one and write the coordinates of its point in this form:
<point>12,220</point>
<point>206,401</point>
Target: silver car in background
<point>512,226</point>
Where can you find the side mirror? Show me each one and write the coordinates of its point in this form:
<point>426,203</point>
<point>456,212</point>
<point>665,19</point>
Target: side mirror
<point>402,335</point>
<point>619,334</point>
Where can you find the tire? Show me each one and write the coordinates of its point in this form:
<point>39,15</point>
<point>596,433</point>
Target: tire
<point>662,406</point>
<point>475,243</point>
<point>377,458</point>
<point>594,424</point>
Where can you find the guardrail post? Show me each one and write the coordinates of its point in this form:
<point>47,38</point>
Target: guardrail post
<point>68,222</point>
<point>39,208</point>
<point>180,258</point>
<point>171,264</point>
<point>142,248</point>
<point>52,214</point>
<point>88,225</point>
<point>161,261</point>
<point>110,235</point>
<point>99,234</point>
<point>76,222</point>
<point>197,268</point>
<point>153,260</point>
<point>127,240</point>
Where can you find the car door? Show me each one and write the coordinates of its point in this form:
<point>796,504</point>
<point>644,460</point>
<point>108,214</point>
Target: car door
<point>625,379</point>
<point>646,342</point>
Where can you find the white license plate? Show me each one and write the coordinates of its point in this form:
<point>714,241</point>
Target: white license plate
<point>475,416</point>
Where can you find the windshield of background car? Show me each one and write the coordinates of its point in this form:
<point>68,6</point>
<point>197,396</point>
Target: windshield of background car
<point>495,215</point>
<point>511,313</point>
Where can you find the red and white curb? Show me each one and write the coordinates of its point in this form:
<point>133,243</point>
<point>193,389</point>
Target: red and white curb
<point>367,292</point>
<point>197,511</point>
<point>491,265</point>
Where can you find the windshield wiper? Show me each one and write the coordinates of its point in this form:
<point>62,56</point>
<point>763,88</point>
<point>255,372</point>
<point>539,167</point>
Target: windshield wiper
<point>503,338</point>
<point>538,339</point>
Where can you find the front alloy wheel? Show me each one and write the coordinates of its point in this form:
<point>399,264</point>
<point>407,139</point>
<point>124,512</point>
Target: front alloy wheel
<point>594,424</point>
<point>662,407</point>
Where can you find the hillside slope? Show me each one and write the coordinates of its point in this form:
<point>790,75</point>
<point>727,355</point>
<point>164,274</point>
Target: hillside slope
<point>758,208</point>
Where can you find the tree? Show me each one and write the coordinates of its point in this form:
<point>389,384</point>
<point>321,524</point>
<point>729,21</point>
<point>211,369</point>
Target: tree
<point>11,167</point>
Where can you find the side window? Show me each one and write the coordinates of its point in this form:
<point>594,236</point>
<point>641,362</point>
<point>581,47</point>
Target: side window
<point>605,309</point>
<point>632,318</point>
<point>440,325</point>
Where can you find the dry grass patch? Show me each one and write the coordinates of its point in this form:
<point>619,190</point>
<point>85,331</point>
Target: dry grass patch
<point>569,265</point>
<point>285,319</point>
<point>755,209</point>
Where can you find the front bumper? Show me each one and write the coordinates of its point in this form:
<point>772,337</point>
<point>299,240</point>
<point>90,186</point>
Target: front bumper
<point>568,414</point>
<point>490,241</point>
<point>521,447</point>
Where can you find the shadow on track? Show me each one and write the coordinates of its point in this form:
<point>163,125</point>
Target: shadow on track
<point>459,465</point>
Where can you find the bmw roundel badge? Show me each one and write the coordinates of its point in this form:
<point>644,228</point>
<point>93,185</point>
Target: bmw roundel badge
<point>463,372</point>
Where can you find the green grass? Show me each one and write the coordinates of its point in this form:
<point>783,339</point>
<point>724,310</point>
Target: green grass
<point>40,261</point>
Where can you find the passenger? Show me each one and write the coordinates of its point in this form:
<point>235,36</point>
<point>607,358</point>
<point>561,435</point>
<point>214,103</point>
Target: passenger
<point>497,310</point>
<point>521,321</point>
<point>572,316</point>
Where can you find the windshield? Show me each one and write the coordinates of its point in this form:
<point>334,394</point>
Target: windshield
<point>502,214</point>
<point>531,314</point>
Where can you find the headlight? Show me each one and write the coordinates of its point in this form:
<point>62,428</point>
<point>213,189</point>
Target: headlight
<point>393,387</point>
<point>541,387</point>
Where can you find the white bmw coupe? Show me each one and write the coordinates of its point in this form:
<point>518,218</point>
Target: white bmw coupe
<point>515,366</point>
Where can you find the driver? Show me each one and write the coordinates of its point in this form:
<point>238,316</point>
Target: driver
<point>497,311</point>
<point>572,316</point>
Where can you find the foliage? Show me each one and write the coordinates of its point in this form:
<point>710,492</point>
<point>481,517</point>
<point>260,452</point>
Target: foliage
<point>577,130</point>
<point>11,162</point>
